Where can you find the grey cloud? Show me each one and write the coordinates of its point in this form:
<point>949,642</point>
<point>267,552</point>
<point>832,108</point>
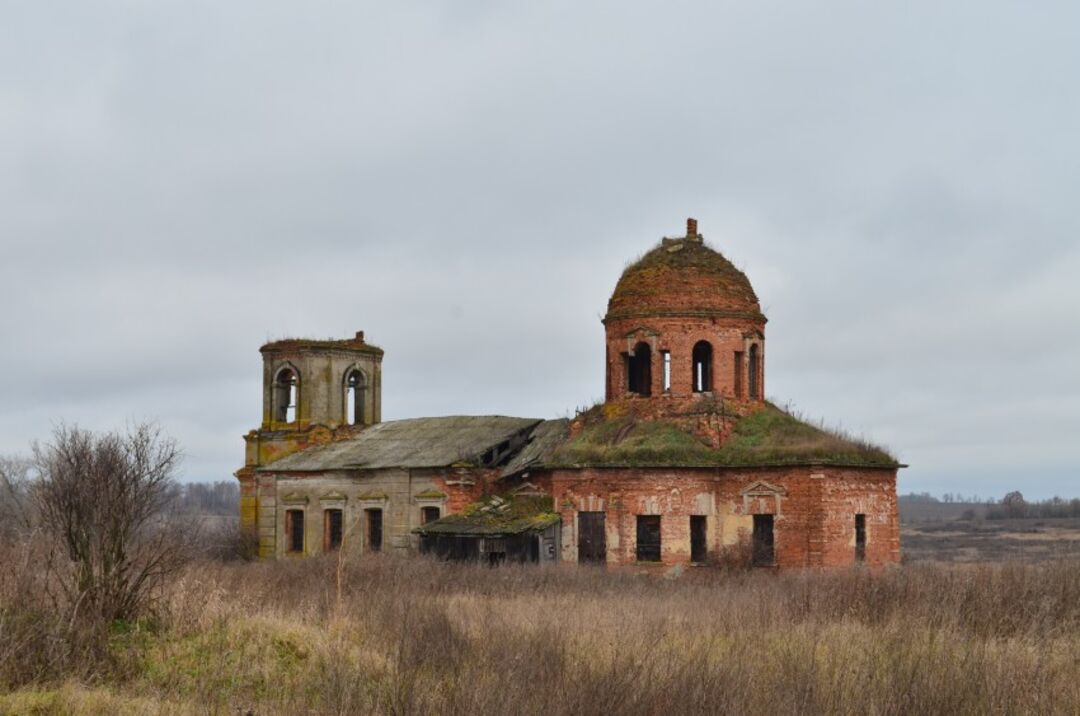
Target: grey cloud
<point>182,181</point>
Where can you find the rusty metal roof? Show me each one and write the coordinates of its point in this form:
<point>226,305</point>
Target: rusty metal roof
<point>418,443</point>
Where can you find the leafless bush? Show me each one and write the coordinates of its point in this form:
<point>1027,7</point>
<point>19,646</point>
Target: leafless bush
<point>103,499</point>
<point>16,504</point>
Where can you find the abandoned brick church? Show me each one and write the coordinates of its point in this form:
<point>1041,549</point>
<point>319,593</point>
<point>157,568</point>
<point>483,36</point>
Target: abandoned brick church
<point>684,462</point>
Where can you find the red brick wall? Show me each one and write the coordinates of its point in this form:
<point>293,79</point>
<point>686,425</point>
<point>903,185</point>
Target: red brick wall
<point>678,335</point>
<point>814,510</point>
<point>463,486</point>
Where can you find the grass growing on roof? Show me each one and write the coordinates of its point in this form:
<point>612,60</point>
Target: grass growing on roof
<point>769,436</point>
<point>777,436</point>
<point>512,515</point>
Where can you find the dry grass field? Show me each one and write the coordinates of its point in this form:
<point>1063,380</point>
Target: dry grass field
<point>400,636</point>
<point>1024,539</point>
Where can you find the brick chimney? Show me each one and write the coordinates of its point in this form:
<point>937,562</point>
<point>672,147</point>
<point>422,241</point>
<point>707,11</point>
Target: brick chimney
<point>359,336</point>
<point>691,228</point>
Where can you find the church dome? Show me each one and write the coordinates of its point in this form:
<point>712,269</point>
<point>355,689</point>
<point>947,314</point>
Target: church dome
<point>683,277</point>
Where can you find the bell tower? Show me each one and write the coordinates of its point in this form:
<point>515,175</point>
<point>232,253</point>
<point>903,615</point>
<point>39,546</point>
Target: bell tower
<point>314,392</point>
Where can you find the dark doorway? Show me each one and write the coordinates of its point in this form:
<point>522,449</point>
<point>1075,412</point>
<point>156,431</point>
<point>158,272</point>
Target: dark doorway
<point>428,514</point>
<point>648,538</point>
<point>860,538</point>
<point>639,370</point>
<point>702,356</point>
<point>699,550</point>
<point>592,544</point>
<point>374,524</point>
<point>764,548</point>
<point>332,529</point>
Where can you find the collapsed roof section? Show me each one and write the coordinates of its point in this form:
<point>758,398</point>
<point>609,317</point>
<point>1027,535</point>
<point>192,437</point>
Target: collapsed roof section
<point>496,441</point>
<point>494,516</point>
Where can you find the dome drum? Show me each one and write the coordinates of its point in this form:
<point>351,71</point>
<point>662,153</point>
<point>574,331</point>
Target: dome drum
<point>684,321</point>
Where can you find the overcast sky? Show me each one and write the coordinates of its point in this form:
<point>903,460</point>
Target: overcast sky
<point>181,181</point>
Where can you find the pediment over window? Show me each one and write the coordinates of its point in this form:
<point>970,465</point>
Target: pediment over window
<point>528,489</point>
<point>762,489</point>
<point>333,496</point>
<point>295,498</point>
<point>641,331</point>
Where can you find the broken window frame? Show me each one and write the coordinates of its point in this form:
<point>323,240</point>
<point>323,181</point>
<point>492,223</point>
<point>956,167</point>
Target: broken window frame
<point>333,528</point>
<point>294,531</point>
<point>639,370</point>
<point>701,362</point>
<point>430,513</point>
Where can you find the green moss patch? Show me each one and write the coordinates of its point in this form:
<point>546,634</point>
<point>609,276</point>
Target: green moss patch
<point>769,436</point>
<point>497,516</point>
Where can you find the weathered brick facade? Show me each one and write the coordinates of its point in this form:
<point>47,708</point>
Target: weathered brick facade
<point>685,357</point>
<point>814,511</point>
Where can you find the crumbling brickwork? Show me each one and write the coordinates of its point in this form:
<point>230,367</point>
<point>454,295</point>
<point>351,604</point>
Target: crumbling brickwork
<point>814,511</point>
<point>312,408</point>
<point>399,495</point>
<point>680,296</point>
<point>685,402</point>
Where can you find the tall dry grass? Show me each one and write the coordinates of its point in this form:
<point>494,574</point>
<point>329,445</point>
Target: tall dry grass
<point>400,636</point>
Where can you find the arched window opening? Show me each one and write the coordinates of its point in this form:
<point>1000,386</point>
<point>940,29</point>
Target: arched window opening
<point>702,358</point>
<point>285,397</point>
<point>354,397</point>
<point>754,370</point>
<point>639,370</point>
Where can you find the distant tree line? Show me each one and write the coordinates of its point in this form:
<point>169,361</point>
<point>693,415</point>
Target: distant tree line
<point>1012,506</point>
<point>207,498</point>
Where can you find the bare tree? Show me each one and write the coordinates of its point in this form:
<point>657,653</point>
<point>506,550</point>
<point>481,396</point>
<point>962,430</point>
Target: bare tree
<point>1014,503</point>
<point>103,497</point>
<point>16,513</point>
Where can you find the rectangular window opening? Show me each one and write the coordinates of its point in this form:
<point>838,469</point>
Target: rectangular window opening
<point>860,538</point>
<point>294,530</point>
<point>764,551</point>
<point>333,524</point>
<point>429,514</point>
<point>666,355</point>
<point>738,374</point>
<point>374,523</point>
<point>648,538</point>
<point>699,550</point>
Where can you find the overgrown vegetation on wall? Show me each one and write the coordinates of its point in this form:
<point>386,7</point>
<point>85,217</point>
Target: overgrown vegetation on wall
<point>769,436</point>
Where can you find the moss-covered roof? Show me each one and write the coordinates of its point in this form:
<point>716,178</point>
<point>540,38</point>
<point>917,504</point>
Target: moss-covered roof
<point>767,437</point>
<point>497,516</point>
<point>683,277</point>
<point>354,345</point>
